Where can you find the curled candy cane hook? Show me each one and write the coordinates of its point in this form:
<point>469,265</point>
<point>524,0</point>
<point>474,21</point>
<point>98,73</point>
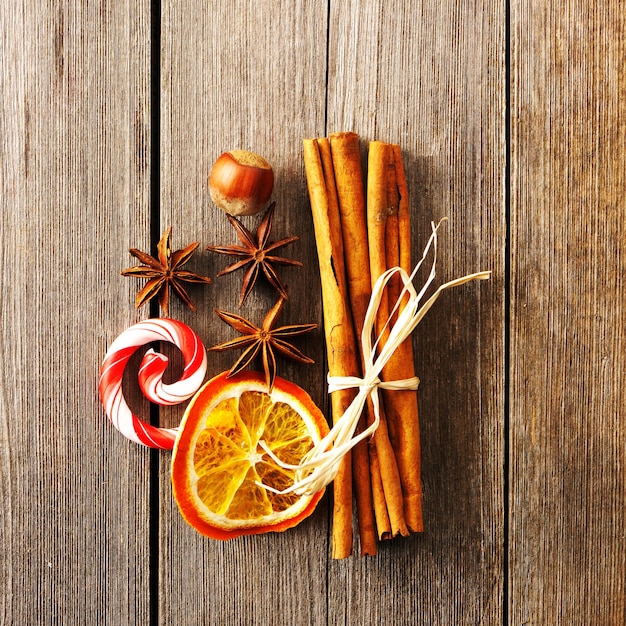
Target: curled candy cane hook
<point>150,375</point>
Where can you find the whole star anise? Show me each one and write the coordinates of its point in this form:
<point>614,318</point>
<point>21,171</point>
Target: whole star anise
<point>265,339</point>
<point>256,252</point>
<point>164,272</point>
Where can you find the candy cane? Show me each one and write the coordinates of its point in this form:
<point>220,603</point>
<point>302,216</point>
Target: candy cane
<point>150,375</point>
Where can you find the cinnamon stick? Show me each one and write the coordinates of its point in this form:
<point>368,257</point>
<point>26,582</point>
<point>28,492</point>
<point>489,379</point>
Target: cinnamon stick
<point>339,161</point>
<point>379,159</point>
<point>346,159</point>
<point>338,329</point>
<point>351,195</point>
<point>403,404</point>
<point>404,213</point>
<point>392,241</point>
<point>383,525</point>
<point>400,405</point>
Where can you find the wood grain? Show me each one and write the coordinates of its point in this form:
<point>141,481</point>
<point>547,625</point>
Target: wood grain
<point>74,158</point>
<point>568,435</point>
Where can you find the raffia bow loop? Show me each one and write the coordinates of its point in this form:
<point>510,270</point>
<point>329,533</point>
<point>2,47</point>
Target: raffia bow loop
<point>320,466</point>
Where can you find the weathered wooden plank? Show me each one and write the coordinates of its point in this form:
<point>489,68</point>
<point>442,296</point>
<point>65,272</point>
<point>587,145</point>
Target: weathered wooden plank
<point>252,76</point>
<point>74,124</point>
<point>568,434</point>
<point>430,76</point>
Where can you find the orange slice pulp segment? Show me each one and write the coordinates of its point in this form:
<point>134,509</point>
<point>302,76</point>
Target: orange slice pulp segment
<point>219,467</point>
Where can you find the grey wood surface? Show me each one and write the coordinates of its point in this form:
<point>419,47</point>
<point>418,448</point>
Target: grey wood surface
<point>568,308</point>
<point>75,155</point>
<point>512,124</point>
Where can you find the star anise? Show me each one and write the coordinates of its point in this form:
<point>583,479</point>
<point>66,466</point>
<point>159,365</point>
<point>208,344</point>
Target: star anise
<point>256,252</point>
<point>164,272</point>
<point>265,339</point>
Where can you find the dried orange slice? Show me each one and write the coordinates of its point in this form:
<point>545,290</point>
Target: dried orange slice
<point>219,468</point>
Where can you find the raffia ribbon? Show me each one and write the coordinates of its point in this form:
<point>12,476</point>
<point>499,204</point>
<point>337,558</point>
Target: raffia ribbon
<point>320,465</point>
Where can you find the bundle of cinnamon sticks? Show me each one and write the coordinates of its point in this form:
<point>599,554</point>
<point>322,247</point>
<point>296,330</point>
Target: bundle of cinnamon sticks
<point>361,231</point>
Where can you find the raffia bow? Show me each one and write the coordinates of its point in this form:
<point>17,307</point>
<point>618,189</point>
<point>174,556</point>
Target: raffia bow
<point>321,464</point>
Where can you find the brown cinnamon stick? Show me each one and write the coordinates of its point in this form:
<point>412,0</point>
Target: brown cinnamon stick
<point>338,329</point>
<point>339,162</point>
<point>400,405</point>
<point>403,404</point>
<point>351,195</point>
<point>346,158</point>
<point>392,240</point>
<point>383,525</point>
<point>404,213</point>
<point>380,158</point>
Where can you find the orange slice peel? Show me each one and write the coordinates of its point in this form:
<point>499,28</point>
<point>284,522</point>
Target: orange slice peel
<point>221,466</point>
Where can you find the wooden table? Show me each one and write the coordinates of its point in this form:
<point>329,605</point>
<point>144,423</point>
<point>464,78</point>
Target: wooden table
<point>512,121</point>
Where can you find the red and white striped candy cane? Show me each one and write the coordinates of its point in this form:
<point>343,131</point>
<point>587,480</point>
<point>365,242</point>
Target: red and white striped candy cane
<point>150,376</point>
